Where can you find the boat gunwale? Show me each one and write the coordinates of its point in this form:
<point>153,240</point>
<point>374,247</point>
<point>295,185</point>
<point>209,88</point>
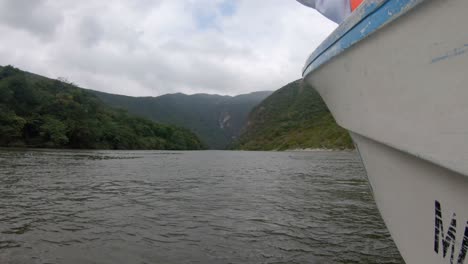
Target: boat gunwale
<point>371,16</point>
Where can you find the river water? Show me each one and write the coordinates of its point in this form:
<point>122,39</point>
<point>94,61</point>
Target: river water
<point>188,207</point>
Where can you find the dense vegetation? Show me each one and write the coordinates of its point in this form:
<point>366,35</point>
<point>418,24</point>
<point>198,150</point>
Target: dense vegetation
<point>40,112</point>
<point>217,120</point>
<point>294,117</point>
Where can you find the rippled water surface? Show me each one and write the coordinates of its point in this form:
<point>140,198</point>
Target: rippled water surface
<point>188,207</point>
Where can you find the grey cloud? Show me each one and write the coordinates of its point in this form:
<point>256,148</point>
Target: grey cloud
<point>90,31</point>
<point>31,16</point>
<point>144,5</point>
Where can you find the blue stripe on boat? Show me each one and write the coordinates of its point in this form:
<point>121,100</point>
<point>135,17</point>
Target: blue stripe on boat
<point>367,19</point>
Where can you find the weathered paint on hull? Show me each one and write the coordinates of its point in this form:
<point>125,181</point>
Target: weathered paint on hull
<point>402,92</point>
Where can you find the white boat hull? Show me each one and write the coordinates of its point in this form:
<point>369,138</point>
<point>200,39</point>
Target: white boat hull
<point>402,92</point>
<point>406,189</point>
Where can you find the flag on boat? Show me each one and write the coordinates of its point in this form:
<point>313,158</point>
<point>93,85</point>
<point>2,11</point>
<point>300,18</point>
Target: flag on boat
<point>335,10</point>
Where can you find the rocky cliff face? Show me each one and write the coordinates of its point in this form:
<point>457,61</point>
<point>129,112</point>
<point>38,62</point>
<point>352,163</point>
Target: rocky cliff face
<point>224,120</point>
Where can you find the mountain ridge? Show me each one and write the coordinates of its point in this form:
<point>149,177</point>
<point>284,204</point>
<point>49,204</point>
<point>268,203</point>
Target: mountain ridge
<point>293,117</point>
<point>37,111</point>
<point>216,119</point>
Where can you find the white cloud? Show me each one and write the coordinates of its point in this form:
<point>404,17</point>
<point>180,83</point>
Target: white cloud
<point>153,47</point>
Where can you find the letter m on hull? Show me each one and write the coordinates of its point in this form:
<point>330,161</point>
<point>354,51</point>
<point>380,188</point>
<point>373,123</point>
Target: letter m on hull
<point>446,241</point>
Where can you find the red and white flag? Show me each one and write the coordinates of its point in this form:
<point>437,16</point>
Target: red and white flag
<point>336,10</point>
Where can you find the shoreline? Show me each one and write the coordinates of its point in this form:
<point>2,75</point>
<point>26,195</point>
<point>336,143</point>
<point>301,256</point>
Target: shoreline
<point>318,150</point>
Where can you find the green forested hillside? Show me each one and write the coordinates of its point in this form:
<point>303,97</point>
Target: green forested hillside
<point>40,112</point>
<point>294,117</point>
<point>216,119</point>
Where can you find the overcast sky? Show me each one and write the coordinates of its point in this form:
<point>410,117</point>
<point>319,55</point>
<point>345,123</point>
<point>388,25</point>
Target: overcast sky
<point>154,47</point>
